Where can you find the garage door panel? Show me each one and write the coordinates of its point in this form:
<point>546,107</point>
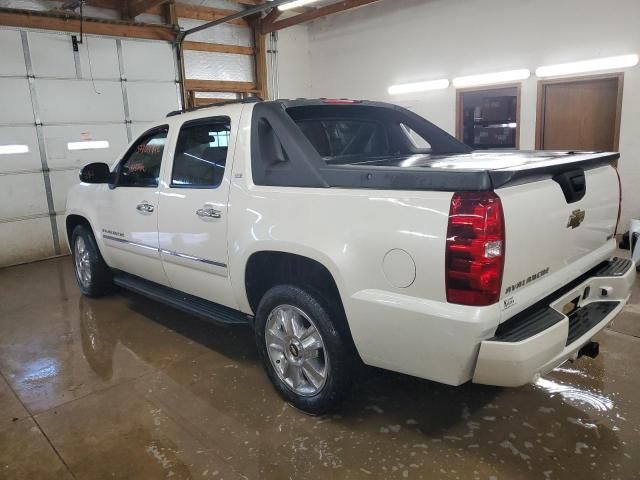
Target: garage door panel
<point>25,241</point>
<point>138,128</point>
<point>148,61</point>
<point>100,57</point>
<point>151,101</point>
<point>15,99</point>
<point>22,195</point>
<point>71,109</point>
<point>20,138</point>
<point>61,182</point>
<point>52,55</point>
<point>76,101</point>
<point>11,56</point>
<point>59,154</point>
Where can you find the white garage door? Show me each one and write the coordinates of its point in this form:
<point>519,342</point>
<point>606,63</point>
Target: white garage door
<point>61,109</point>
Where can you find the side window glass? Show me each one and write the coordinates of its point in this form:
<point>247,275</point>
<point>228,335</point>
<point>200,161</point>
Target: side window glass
<point>141,166</point>
<point>201,153</point>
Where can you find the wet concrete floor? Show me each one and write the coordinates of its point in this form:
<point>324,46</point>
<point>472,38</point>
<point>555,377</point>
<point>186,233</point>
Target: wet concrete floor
<point>122,387</point>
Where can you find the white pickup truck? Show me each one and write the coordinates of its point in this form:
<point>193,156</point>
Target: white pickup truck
<point>350,230</point>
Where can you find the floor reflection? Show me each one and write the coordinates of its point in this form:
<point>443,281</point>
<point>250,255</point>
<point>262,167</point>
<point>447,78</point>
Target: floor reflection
<point>391,424</point>
<point>98,338</point>
<point>127,388</point>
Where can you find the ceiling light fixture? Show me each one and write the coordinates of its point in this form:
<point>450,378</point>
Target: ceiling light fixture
<point>88,145</point>
<point>608,63</point>
<point>295,4</point>
<point>9,149</point>
<point>491,78</point>
<point>418,87</point>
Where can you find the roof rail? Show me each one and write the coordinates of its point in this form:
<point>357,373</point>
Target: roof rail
<point>217,104</point>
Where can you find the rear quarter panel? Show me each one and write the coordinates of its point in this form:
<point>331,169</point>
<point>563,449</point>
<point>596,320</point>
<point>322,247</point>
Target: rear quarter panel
<point>348,231</point>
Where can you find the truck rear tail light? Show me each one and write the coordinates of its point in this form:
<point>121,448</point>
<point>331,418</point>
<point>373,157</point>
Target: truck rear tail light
<point>475,249</point>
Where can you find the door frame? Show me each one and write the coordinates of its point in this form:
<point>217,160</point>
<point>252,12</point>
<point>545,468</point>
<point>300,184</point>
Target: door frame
<point>582,78</point>
<point>459,105</point>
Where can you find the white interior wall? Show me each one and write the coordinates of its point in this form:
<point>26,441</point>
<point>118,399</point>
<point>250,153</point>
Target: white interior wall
<point>294,63</point>
<point>358,54</point>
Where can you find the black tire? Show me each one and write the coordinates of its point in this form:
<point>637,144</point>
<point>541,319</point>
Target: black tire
<point>338,347</point>
<point>100,280</point>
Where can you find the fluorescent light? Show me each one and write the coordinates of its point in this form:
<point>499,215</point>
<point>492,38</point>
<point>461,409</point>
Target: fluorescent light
<point>295,4</point>
<point>9,149</point>
<point>418,87</point>
<point>609,63</point>
<point>491,78</point>
<point>88,145</point>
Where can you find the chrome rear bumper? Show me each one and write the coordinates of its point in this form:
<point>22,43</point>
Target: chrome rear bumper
<point>539,339</point>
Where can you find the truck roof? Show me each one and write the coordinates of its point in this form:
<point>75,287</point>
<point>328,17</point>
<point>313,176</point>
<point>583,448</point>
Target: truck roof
<point>298,102</point>
<point>215,105</point>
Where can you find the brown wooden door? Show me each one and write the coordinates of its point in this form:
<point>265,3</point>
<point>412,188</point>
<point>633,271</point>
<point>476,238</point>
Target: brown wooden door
<point>579,114</point>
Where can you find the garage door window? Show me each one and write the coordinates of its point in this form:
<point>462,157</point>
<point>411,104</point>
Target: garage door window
<point>141,165</point>
<point>201,153</point>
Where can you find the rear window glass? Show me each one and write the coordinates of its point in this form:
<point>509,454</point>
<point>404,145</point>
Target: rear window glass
<point>339,137</point>
<point>321,143</point>
<point>355,134</point>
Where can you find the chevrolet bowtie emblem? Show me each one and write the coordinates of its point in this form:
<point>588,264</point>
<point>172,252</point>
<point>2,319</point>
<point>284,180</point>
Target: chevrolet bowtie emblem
<point>576,218</point>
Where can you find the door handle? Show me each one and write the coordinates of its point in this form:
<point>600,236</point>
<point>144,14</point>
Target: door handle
<point>208,212</point>
<point>145,207</point>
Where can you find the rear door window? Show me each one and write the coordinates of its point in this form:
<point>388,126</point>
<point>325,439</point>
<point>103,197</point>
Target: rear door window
<point>201,153</point>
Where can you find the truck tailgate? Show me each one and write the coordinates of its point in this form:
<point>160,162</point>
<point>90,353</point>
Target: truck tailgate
<point>555,232</point>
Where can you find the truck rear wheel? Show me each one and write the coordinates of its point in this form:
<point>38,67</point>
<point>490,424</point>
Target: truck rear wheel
<point>306,358</point>
<point>93,275</point>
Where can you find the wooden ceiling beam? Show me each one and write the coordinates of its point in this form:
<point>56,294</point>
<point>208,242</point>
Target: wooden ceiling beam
<point>136,7</point>
<point>208,14</point>
<point>252,3</point>
<point>219,86</point>
<point>70,22</point>
<point>316,13</point>
<point>169,14</point>
<point>217,47</point>
<point>184,10</point>
<point>269,20</point>
<point>109,4</point>
<point>204,101</point>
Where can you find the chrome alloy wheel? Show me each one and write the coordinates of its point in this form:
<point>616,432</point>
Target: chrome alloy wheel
<point>296,350</point>
<point>82,262</point>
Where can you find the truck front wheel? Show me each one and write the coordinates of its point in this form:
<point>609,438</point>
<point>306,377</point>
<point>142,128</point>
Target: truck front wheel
<point>305,356</point>
<point>93,275</point>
